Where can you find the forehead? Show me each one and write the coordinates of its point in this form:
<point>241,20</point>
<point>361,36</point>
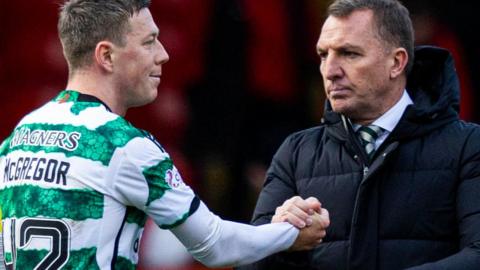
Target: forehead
<point>357,28</point>
<point>142,23</point>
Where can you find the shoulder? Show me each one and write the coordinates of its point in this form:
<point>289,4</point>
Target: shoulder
<point>299,141</point>
<point>91,132</point>
<point>461,131</point>
<point>306,136</point>
<point>472,127</point>
<point>458,139</point>
<point>308,133</point>
<point>471,133</point>
<point>145,148</point>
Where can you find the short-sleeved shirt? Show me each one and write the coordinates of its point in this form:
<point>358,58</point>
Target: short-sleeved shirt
<point>77,184</point>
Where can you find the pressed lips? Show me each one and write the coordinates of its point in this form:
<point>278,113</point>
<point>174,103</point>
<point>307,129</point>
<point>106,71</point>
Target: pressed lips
<point>338,91</point>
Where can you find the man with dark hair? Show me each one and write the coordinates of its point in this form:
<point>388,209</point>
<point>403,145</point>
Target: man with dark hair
<point>396,167</point>
<point>78,180</point>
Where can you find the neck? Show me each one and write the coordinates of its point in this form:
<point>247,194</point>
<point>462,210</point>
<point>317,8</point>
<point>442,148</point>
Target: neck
<point>87,82</point>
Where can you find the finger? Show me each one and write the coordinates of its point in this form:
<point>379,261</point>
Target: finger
<point>292,208</point>
<point>288,217</point>
<point>300,214</point>
<point>320,222</point>
<point>313,204</point>
<point>292,200</point>
<point>325,214</point>
<point>300,206</point>
<point>278,218</point>
<point>305,205</point>
<point>322,234</point>
<point>295,221</point>
<point>280,210</point>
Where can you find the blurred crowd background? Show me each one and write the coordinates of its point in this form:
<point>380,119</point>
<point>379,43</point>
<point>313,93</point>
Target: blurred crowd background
<point>242,75</point>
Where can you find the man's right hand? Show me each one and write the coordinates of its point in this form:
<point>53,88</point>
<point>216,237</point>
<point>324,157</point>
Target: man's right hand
<point>311,236</point>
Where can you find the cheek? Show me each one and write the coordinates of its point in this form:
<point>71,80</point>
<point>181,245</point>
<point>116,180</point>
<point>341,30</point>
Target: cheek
<point>379,77</point>
<point>371,76</point>
<point>128,67</point>
<point>135,62</point>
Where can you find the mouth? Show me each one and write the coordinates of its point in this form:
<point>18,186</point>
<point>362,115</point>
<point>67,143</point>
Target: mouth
<point>338,91</point>
<point>156,77</point>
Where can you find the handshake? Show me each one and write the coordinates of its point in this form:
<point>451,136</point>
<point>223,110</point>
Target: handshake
<point>308,216</point>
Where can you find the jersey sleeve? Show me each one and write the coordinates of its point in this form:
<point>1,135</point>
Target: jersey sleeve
<point>145,177</point>
<point>207,237</point>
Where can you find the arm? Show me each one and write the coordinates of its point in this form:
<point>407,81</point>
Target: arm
<point>206,237</point>
<point>279,186</point>
<point>279,201</point>
<point>148,180</point>
<point>468,213</point>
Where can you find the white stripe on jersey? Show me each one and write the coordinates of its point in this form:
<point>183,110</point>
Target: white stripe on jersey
<point>55,113</point>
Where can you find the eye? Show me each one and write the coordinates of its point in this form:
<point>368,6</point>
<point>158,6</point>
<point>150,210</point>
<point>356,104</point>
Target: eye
<point>149,42</point>
<point>322,56</point>
<point>350,54</point>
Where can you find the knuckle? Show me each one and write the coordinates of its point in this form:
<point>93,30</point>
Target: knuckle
<point>296,199</point>
<point>289,217</point>
<point>290,200</point>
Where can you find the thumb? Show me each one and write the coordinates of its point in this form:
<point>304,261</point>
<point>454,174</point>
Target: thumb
<point>325,216</point>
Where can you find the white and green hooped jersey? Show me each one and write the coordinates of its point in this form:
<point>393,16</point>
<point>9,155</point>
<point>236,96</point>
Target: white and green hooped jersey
<point>77,183</point>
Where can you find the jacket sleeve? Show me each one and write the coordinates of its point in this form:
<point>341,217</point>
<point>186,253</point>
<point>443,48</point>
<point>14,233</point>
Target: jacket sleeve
<point>278,187</point>
<point>468,212</point>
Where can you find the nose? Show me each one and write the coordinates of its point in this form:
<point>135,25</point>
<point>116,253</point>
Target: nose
<point>162,55</point>
<point>331,67</point>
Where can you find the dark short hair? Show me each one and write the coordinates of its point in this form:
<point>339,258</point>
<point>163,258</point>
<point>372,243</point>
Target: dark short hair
<point>84,23</point>
<point>392,21</point>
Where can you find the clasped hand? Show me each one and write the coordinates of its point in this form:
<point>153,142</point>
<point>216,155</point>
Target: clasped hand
<point>308,216</point>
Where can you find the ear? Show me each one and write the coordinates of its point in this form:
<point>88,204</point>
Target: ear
<point>400,60</point>
<point>103,55</point>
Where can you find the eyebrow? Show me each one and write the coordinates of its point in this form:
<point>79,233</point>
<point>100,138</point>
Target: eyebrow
<point>346,46</point>
<point>154,33</point>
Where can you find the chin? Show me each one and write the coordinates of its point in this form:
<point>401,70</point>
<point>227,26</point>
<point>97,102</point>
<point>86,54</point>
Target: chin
<point>150,96</point>
<point>343,105</point>
<point>153,95</point>
<point>148,101</point>
<point>338,106</point>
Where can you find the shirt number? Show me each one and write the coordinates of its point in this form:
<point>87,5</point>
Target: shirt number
<point>55,231</point>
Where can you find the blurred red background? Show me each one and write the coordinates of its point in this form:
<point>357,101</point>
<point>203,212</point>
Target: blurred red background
<point>242,75</point>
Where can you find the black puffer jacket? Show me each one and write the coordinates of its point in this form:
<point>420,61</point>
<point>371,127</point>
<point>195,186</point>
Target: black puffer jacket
<point>417,203</point>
